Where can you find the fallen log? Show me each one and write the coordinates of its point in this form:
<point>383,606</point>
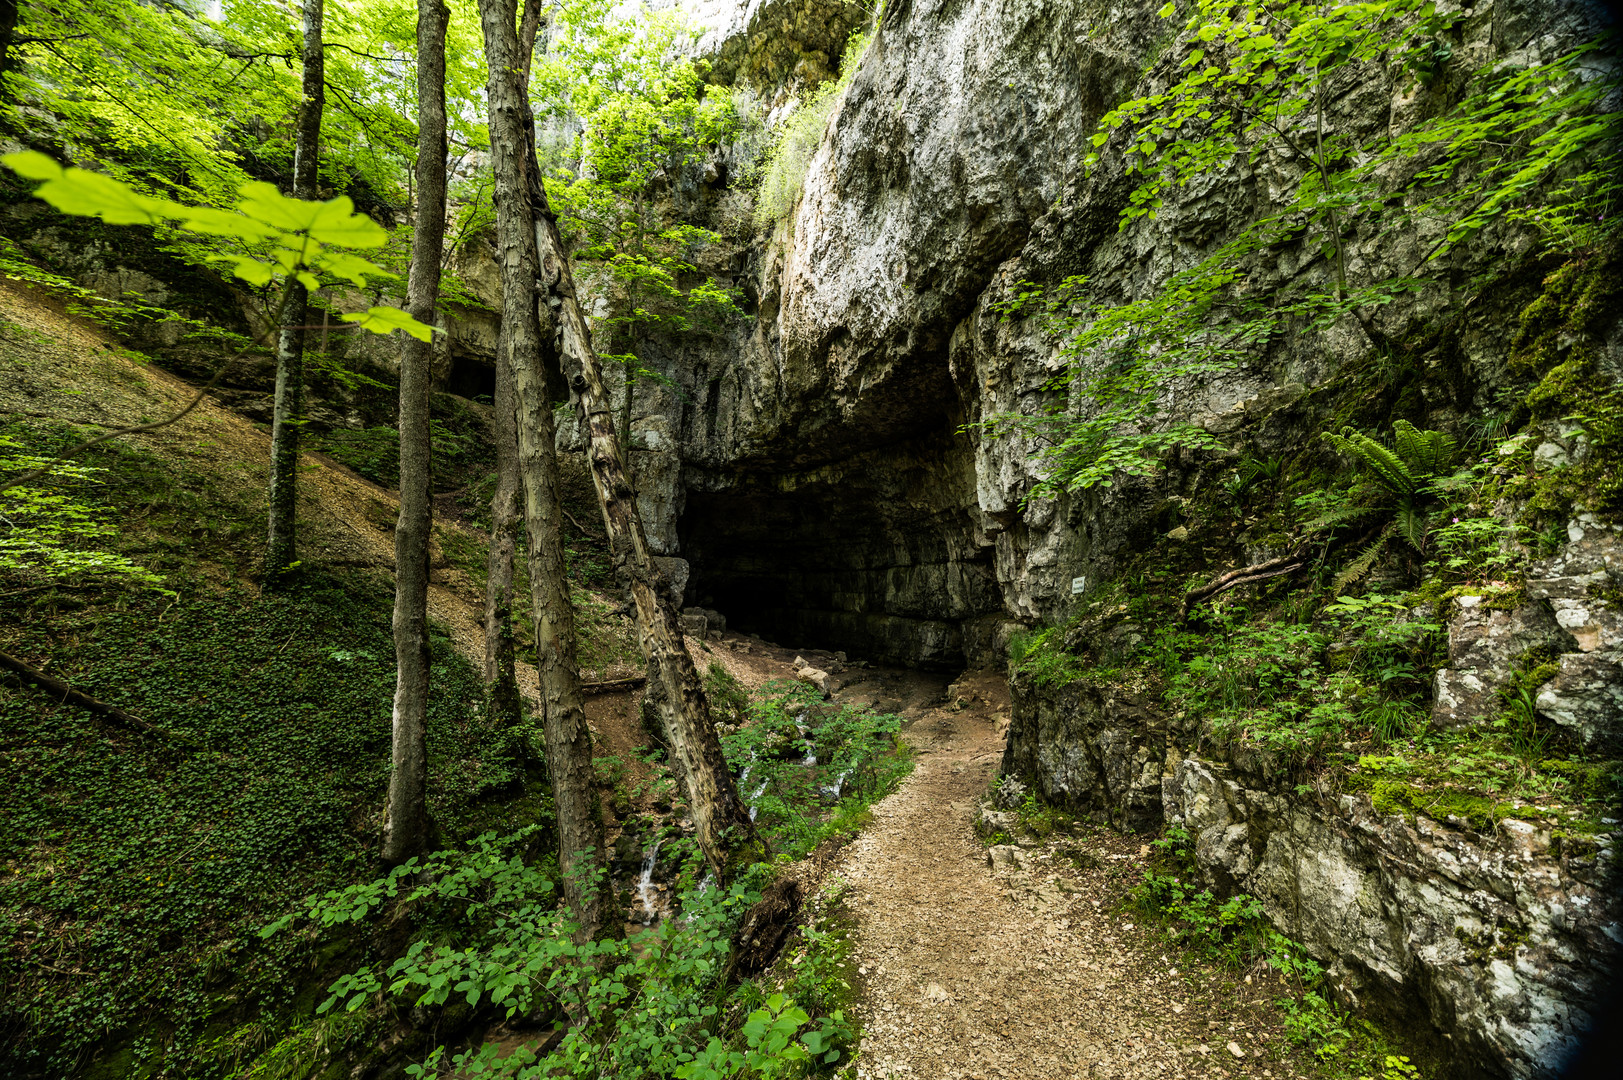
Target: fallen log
<point>613,686</point>
<point>61,690</point>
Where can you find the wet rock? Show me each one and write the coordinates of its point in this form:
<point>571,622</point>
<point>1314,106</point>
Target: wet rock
<point>1493,936</point>
<point>1587,697</point>
<point>1094,753</point>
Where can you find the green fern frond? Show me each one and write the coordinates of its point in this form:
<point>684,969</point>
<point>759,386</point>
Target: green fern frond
<point>1388,468</point>
<point>1426,453</point>
<point>1411,524</point>
<point>1361,565</point>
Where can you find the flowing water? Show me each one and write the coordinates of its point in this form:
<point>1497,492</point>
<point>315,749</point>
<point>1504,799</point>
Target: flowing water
<point>645,884</point>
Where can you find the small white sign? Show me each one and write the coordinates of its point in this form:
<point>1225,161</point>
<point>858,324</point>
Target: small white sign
<point>1078,584</point>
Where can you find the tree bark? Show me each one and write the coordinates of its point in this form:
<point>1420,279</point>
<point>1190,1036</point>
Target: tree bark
<point>569,741</point>
<point>721,819</point>
<point>281,547</point>
<point>406,823</point>
<point>500,678</point>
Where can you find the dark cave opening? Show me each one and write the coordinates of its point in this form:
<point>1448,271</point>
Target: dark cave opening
<point>876,556</point>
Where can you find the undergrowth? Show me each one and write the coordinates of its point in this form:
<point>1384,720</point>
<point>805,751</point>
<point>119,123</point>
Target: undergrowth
<point>486,933</point>
<point>809,770</point>
<point>135,873</point>
<point>1235,934</point>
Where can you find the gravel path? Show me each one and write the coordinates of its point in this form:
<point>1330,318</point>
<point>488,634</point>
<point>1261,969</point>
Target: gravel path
<point>1026,971</point>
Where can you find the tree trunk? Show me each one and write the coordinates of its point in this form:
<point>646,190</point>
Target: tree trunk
<point>500,679</point>
<point>406,822</point>
<point>569,742</point>
<point>721,819</point>
<point>281,546</point>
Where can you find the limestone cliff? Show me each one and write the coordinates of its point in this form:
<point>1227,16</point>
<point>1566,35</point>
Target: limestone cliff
<point>816,473</point>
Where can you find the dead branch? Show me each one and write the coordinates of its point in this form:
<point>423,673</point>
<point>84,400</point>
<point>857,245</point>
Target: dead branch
<point>613,685</point>
<point>583,530</point>
<point>61,690</point>
<point>1245,575</point>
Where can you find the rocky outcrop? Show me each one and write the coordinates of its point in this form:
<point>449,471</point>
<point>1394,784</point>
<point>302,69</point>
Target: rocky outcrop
<point>1483,948</point>
<point>1486,935</point>
<point>1488,946</point>
<point>838,427</point>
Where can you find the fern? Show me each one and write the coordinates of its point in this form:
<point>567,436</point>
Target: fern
<point>1388,467</point>
<point>1411,523</point>
<point>1419,455</point>
<point>1362,565</point>
<point>1426,453</point>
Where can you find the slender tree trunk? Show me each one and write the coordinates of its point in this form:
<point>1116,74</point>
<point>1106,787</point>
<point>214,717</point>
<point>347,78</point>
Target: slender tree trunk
<point>281,542</point>
<point>569,741</point>
<point>8,31</point>
<point>406,823</point>
<point>721,819</point>
<point>500,678</point>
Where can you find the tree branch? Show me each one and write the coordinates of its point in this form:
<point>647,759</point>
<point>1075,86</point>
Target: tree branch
<point>1245,575</point>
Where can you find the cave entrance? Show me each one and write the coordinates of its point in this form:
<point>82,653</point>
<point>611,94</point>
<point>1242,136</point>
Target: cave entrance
<point>876,556</point>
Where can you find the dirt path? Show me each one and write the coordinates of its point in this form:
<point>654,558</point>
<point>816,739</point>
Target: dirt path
<point>1028,971</point>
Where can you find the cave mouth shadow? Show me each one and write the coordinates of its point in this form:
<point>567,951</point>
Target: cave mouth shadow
<point>876,558</point>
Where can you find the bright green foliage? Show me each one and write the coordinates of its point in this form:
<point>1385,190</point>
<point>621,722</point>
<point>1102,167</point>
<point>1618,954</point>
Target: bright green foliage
<point>1409,477</point>
<point>47,532</point>
<point>174,102</point>
<point>275,237</point>
<point>799,802</point>
<point>1418,456</point>
<point>771,1049</point>
<point>647,116</point>
<point>1294,687</point>
<point>1525,145</point>
<point>485,929</point>
<point>783,172</point>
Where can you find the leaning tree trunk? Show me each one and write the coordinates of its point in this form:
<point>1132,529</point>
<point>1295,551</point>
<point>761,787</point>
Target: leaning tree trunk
<point>281,542</point>
<point>406,822</point>
<point>721,819</point>
<point>500,679</point>
<point>569,741</point>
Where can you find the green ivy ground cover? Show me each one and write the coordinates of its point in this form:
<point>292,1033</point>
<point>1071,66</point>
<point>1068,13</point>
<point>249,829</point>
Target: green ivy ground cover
<point>134,874</point>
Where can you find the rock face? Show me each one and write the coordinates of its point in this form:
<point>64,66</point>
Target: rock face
<point>1483,945</point>
<point>820,469</point>
<point>1492,937</point>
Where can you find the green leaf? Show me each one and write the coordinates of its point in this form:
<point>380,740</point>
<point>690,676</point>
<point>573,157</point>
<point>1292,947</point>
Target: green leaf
<point>252,271</point>
<point>263,202</point>
<point>385,320</point>
<point>33,165</point>
<point>336,222</point>
<point>1166,11</point>
<point>87,194</point>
